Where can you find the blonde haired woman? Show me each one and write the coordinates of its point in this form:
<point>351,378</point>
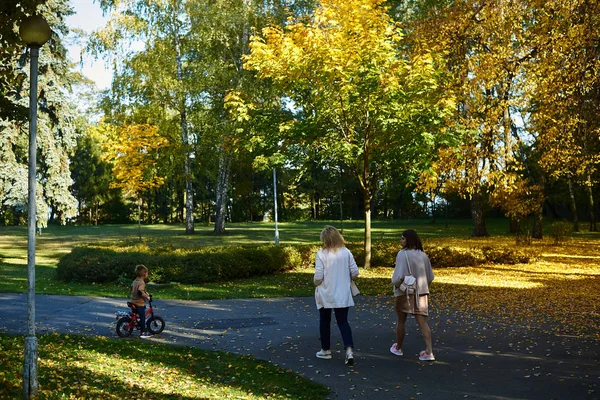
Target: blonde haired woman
<point>334,270</point>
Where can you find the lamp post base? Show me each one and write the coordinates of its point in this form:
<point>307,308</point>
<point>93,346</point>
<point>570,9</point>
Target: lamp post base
<point>30,379</point>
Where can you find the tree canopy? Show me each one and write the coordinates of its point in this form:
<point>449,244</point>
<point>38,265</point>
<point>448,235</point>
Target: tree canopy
<point>372,102</point>
<point>366,108</point>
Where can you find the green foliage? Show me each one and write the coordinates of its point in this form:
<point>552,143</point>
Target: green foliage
<point>101,264</point>
<point>91,174</point>
<point>55,133</point>
<point>561,231</point>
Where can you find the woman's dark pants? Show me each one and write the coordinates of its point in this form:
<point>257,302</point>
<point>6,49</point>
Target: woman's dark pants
<point>341,316</point>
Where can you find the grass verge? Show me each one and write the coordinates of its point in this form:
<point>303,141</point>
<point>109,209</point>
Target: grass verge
<point>87,367</point>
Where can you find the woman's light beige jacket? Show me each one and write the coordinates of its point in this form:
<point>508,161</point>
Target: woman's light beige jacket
<point>334,269</point>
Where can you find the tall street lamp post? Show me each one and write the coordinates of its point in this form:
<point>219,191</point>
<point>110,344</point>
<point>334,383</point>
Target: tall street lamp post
<point>34,32</point>
<point>275,204</point>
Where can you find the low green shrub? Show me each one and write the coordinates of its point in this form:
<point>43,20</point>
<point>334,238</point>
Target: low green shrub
<point>504,255</point>
<point>383,254</point>
<point>209,264</point>
<point>102,263</point>
<point>448,257</point>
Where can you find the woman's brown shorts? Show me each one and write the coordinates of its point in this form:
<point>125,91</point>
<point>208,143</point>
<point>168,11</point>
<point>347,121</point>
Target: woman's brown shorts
<point>407,306</point>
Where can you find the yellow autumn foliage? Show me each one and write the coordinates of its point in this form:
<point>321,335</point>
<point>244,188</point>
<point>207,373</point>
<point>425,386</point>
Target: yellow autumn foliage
<point>131,149</point>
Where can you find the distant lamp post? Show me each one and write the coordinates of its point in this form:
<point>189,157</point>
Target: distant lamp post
<point>34,32</point>
<point>275,204</point>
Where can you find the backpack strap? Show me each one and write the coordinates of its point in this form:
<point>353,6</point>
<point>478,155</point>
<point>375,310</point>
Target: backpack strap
<point>407,262</point>
<point>416,285</point>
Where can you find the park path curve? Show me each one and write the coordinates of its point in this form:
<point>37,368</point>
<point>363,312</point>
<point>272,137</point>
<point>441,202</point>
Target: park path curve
<point>475,360</point>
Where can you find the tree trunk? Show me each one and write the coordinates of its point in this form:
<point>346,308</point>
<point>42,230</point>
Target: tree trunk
<point>514,225</point>
<point>180,204</point>
<point>537,223</point>
<point>593,227</point>
<point>187,170</point>
<point>149,210</point>
<point>537,232</point>
<point>314,199</point>
<point>140,218</point>
<point>446,213</point>
<point>479,228</point>
<point>573,205</point>
<point>222,186</point>
<point>250,209</point>
<point>367,195</point>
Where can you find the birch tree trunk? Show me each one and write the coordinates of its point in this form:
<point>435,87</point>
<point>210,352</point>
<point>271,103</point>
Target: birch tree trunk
<point>187,169</point>
<point>222,188</point>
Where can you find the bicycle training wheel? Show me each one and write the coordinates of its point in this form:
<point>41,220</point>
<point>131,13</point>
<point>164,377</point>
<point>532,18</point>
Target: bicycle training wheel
<point>155,324</point>
<point>124,327</point>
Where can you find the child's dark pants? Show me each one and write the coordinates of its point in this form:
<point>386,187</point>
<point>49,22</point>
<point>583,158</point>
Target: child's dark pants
<point>141,310</point>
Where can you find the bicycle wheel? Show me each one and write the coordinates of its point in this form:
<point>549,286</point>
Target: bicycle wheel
<point>155,324</point>
<point>124,327</point>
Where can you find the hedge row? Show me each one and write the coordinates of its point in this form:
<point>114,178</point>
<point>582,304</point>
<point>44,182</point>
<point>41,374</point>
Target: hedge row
<point>448,257</point>
<point>212,264</point>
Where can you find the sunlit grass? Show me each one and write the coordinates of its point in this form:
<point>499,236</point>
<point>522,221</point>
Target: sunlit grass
<point>100,368</point>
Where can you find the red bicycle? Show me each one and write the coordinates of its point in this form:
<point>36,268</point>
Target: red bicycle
<point>128,320</point>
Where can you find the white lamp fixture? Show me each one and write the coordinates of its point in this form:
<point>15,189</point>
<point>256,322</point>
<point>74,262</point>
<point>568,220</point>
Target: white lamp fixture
<point>35,31</point>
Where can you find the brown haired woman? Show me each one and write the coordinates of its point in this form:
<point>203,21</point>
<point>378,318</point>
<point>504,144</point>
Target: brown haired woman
<point>411,260</point>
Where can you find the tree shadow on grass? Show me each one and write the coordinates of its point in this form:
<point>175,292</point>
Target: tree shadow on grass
<point>76,365</point>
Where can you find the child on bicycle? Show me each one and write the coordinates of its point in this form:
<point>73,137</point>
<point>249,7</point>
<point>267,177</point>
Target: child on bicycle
<point>139,297</point>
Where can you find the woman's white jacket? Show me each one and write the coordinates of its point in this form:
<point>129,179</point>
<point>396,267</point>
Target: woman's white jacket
<point>334,269</point>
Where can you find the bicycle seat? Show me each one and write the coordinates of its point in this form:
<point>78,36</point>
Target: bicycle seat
<point>131,305</point>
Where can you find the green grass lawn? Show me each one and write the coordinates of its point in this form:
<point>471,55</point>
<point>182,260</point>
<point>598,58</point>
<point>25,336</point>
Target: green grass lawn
<point>55,241</point>
<point>86,367</point>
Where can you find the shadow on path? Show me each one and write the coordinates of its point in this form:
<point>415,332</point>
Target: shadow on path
<point>475,360</point>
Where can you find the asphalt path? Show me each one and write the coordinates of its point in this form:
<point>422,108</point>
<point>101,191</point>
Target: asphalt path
<point>474,359</point>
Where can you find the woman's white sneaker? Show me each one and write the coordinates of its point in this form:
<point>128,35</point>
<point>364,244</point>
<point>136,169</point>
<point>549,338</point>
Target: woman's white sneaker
<point>325,354</point>
<point>349,356</point>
